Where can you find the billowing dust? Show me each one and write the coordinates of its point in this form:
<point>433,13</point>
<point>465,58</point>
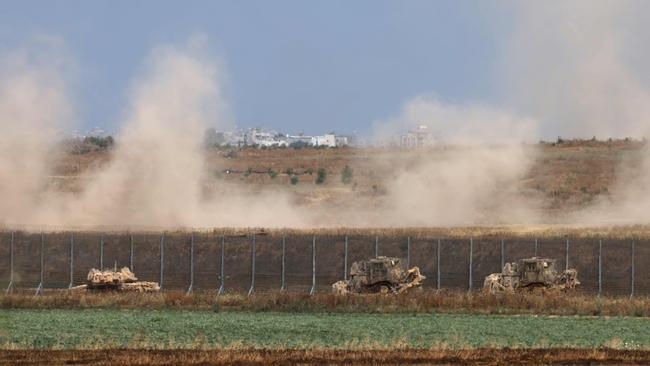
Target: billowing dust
<point>567,68</point>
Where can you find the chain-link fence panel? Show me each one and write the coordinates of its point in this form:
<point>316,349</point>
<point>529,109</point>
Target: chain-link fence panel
<point>27,262</point>
<point>238,263</point>
<point>553,249</point>
<point>616,267</point>
<point>117,251</point>
<point>56,261</point>
<point>299,262</point>
<point>642,268</point>
<point>392,246</point>
<point>454,263</point>
<point>330,255</point>
<point>146,256</point>
<point>268,269</point>
<point>486,259</point>
<point>86,255</point>
<point>7,258</point>
<point>583,256</point>
<point>176,265</point>
<point>207,261</point>
<point>517,249</point>
<point>424,256</point>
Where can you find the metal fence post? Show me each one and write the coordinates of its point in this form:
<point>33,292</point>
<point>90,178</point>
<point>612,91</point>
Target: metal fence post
<point>566,251</point>
<point>189,289</point>
<point>503,258</point>
<point>313,266</point>
<point>131,256</point>
<point>39,289</point>
<point>223,278</point>
<point>71,261</point>
<point>284,245</point>
<point>252,289</point>
<point>376,246</point>
<point>101,252</point>
<point>438,264</point>
<point>11,265</point>
<point>600,267</point>
<point>535,247</point>
<point>632,273</point>
<point>408,252</point>
<point>471,257</point>
<point>345,259</point>
<point>162,259</point>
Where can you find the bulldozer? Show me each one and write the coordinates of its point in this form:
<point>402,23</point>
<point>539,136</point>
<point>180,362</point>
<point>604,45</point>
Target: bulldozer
<point>113,280</point>
<point>379,275</point>
<point>530,274</point>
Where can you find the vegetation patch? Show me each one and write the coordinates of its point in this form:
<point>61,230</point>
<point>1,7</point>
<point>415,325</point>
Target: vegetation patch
<point>171,329</point>
<point>420,302</point>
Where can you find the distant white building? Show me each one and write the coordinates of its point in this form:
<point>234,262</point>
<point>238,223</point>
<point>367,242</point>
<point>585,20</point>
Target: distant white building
<point>342,140</point>
<point>270,138</point>
<point>418,138</point>
<point>328,140</point>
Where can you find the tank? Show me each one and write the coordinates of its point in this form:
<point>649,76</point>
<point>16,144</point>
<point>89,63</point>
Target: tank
<point>530,274</point>
<point>122,280</point>
<point>379,275</point>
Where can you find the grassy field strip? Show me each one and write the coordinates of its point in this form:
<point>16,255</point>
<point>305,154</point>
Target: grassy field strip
<point>91,329</point>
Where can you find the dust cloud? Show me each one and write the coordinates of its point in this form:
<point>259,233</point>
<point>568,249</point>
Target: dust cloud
<point>471,176</point>
<point>571,68</point>
<point>156,174</point>
<point>574,69</point>
<point>34,108</point>
<point>580,68</point>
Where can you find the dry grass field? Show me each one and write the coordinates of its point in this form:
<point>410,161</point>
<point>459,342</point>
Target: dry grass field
<point>420,302</point>
<point>254,357</point>
<point>563,177</point>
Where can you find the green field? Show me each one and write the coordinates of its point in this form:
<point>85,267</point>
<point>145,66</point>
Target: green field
<point>202,329</point>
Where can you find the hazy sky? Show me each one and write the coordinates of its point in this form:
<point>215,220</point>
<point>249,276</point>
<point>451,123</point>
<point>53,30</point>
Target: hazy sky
<point>310,66</point>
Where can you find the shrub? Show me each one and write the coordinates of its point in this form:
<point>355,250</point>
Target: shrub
<point>321,175</point>
<point>289,171</point>
<point>298,145</point>
<point>309,171</point>
<point>346,175</point>
<point>272,173</point>
<point>101,142</point>
<point>294,180</point>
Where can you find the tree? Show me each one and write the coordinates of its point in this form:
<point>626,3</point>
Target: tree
<point>321,175</point>
<point>102,143</point>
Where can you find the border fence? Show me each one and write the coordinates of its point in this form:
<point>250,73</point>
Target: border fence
<point>311,263</point>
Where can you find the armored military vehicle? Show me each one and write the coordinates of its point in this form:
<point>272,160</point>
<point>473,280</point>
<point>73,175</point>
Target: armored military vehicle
<point>113,280</point>
<point>379,275</point>
<point>530,274</point>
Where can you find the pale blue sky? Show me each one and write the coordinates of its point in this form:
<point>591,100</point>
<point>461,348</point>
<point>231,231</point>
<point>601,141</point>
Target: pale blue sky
<point>293,65</point>
<point>578,67</point>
